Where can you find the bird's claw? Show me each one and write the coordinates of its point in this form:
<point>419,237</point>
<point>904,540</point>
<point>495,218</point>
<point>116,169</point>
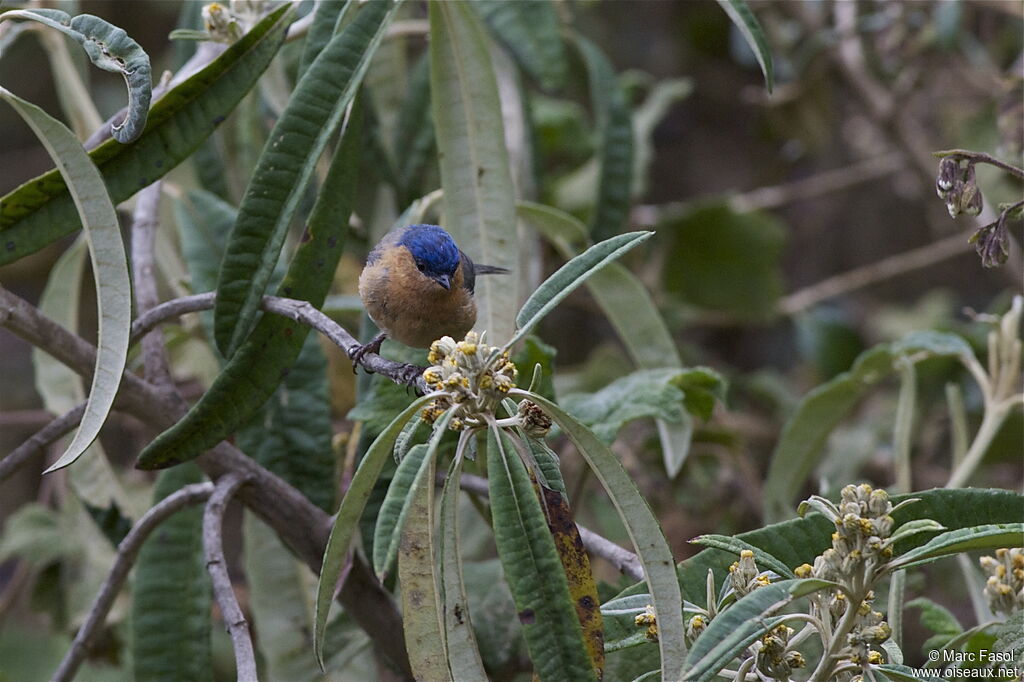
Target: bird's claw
<point>356,353</point>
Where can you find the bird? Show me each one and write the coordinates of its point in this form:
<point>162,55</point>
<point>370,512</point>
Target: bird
<point>417,286</point>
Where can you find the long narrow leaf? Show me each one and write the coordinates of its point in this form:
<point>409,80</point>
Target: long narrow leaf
<point>41,210</point>
<point>463,653</point>
<point>111,49</point>
<point>395,508</point>
<point>531,32</point>
<point>171,593</point>
<point>740,14</point>
<point>570,276</point>
<point>347,519</point>
<point>259,366</point>
<point>479,197</point>
<point>284,169</point>
<point>422,619</point>
<point>643,529</point>
<point>109,265</point>
<point>989,536</point>
<point>615,153</point>
<point>533,568</point>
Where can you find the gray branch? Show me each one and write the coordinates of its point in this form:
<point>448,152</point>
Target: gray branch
<point>127,551</point>
<point>213,549</point>
<point>39,440</point>
<point>144,226</point>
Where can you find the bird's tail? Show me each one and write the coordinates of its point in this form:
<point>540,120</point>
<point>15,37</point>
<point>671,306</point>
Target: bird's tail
<point>489,270</point>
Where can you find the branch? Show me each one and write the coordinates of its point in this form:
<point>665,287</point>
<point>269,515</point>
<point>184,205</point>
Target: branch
<point>144,226</point>
<point>213,548</point>
<point>619,557</point>
<point>878,271</point>
<point>39,440</point>
<point>981,157</point>
<point>126,553</point>
<point>300,311</point>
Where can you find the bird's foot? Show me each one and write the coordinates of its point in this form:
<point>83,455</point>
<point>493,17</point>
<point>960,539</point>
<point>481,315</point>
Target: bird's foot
<point>356,353</point>
<point>409,374</point>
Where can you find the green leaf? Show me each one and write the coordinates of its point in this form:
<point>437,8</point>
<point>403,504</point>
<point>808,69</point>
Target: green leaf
<point>530,31</point>
<point>41,210</point>
<point>533,568</point>
<point>741,624</point>
<point>479,196</point>
<point>395,508</point>
<point>422,617</point>
<point>291,435</point>
<point>915,527</point>
<point>568,277</point>
<point>279,602</point>
<point>325,22</point>
<point>93,479</point>
<point>1010,638</point>
<point>285,168</point>
<point>803,438</point>
<point>726,261</point>
<point>988,536</point>
<point>109,265</point>
<point>111,49</point>
<point>748,25</point>
<point>615,151</point>
<point>734,545</point>
<point>642,527</point>
<point>414,133</point>
<point>347,519</point>
<point>34,534</point>
<point>463,652</point>
<point>643,393</point>
<point>263,361</point>
<point>939,620</point>
<point>171,593</point>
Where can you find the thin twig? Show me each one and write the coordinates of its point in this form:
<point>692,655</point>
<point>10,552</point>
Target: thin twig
<point>126,553</point>
<point>144,225</point>
<point>213,549</point>
<point>300,311</point>
<point>39,440</point>
<point>982,157</point>
<point>872,273</point>
<point>598,545</point>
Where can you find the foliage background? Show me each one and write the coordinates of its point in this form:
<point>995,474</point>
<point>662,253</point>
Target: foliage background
<point>952,70</point>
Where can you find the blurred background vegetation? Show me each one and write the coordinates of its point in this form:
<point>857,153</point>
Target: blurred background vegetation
<point>794,230</point>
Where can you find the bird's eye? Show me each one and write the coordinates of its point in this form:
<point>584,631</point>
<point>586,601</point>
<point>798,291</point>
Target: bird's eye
<point>419,264</point>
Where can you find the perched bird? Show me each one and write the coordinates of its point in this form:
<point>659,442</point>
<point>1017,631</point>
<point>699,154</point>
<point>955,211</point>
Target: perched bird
<point>417,286</point>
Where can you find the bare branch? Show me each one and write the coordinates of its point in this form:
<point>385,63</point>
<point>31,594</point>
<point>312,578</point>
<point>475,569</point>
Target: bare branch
<point>619,557</point>
<point>126,553</point>
<point>39,440</point>
<point>300,311</point>
<point>878,271</point>
<point>144,226</point>
<point>213,548</point>
<point>982,157</point>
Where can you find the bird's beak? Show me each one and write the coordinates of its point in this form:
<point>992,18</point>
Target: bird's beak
<point>444,280</point>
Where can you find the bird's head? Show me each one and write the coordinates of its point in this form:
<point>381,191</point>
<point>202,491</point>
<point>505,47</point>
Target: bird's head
<point>434,252</point>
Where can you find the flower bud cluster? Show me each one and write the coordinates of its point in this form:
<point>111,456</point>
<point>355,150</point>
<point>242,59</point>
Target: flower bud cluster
<point>861,541</point>
<point>221,23</point>
<point>958,187</point>
<point>649,619</point>
<point>472,376</point>
<point>744,576</point>
<point>773,657</point>
<point>1005,586</point>
<point>870,630</point>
